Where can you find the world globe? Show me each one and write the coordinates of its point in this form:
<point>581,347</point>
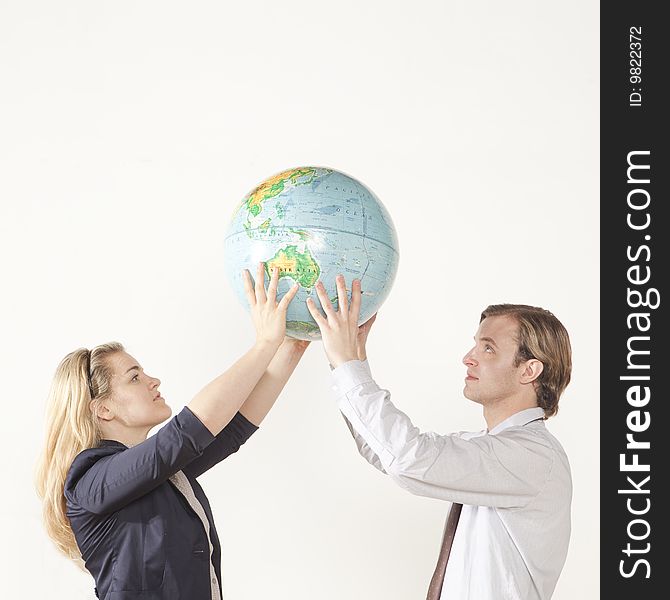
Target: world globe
<point>313,223</point>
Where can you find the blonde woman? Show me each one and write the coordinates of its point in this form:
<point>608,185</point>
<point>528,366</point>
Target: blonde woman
<point>129,507</point>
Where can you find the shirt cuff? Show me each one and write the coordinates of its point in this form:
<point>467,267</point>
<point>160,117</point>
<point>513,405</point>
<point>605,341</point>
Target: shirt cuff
<point>350,375</point>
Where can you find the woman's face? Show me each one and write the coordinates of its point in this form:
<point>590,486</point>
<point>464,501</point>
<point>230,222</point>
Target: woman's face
<point>135,399</point>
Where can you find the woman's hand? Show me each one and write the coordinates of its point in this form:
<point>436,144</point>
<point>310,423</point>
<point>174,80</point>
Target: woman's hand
<point>268,315</point>
<point>339,329</point>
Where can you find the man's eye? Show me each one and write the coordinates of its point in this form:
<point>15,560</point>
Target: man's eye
<point>135,378</point>
<point>488,348</point>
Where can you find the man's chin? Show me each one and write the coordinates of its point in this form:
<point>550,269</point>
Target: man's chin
<point>469,396</point>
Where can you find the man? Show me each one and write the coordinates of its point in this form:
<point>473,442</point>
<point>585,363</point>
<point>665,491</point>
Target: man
<point>512,480</point>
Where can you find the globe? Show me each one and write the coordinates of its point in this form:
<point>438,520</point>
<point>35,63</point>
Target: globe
<point>313,223</point>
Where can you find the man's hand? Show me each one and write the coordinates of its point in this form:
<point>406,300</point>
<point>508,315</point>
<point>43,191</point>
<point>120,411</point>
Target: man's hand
<point>295,345</point>
<point>362,337</point>
<point>339,329</point>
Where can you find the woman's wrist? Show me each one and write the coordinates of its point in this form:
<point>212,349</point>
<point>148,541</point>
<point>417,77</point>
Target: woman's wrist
<point>266,346</point>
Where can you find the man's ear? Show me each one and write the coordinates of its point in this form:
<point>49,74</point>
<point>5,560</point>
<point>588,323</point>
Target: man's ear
<point>102,410</point>
<point>532,370</point>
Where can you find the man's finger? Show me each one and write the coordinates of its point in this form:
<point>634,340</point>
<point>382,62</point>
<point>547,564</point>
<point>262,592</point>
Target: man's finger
<point>326,304</point>
<point>342,300</point>
<point>316,314</point>
<point>355,300</point>
<point>369,322</point>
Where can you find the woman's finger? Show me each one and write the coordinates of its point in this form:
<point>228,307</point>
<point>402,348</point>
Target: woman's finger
<point>260,283</point>
<point>342,300</point>
<point>288,296</point>
<point>248,287</point>
<point>274,282</point>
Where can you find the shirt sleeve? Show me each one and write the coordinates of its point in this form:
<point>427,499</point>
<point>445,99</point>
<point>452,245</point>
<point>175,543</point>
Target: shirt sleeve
<point>228,441</point>
<point>364,450</point>
<point>503,470</point>
<point>105,485</point>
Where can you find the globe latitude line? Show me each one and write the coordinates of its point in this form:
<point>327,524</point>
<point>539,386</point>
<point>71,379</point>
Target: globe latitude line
<point>330,229</point>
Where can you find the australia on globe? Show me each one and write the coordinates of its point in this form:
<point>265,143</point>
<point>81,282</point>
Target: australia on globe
<point>313,224</point>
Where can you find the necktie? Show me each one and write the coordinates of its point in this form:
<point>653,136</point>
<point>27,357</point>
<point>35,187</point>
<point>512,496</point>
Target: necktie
<point>435,588</point>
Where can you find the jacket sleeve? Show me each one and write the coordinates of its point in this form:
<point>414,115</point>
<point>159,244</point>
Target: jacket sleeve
<point>227,442</point>
<point>107,484</point>
<point>504,470</point>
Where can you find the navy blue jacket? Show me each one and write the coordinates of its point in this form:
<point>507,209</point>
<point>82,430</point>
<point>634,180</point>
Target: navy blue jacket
<point>138,535</point>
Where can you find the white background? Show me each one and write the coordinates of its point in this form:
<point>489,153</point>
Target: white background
<point>129,131</point>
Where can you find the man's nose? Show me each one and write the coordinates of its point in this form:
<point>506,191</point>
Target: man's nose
<point>469,360</point>
<point>155,382</point>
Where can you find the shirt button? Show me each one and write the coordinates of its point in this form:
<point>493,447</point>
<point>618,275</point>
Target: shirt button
<point>213,579</point>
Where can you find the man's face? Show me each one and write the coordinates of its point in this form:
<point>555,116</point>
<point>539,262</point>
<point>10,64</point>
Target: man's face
<point>491,375</point>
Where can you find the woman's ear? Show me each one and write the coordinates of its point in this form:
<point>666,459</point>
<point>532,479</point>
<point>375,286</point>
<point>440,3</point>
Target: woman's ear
<point>102,410</point>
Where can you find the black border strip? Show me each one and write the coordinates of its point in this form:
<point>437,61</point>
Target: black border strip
<point>634,346</point>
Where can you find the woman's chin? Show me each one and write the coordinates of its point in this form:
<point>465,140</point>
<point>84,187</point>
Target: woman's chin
<point>165,414</point>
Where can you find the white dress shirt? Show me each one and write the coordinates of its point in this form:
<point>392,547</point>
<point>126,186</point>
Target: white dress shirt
<point>514,483</point>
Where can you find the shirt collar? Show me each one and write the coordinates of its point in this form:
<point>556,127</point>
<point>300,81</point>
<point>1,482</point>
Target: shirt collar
<point>523,417</point>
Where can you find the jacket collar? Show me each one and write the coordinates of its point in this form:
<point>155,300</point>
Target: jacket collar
<point>112,444</point>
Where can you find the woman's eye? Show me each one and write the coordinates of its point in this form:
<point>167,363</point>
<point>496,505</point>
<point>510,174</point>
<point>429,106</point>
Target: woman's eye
<point>135,378</point>
<point>488,348</point>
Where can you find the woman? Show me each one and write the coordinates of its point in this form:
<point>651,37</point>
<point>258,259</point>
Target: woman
<point>130,506</point>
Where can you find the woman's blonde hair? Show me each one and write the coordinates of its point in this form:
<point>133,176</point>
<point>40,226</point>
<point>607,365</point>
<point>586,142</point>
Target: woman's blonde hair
<point>82,379</point>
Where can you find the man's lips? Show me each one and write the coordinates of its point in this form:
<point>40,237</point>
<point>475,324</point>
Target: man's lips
<point>470,377</point>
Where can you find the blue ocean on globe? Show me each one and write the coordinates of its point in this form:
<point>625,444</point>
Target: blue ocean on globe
<point>313,223</point>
